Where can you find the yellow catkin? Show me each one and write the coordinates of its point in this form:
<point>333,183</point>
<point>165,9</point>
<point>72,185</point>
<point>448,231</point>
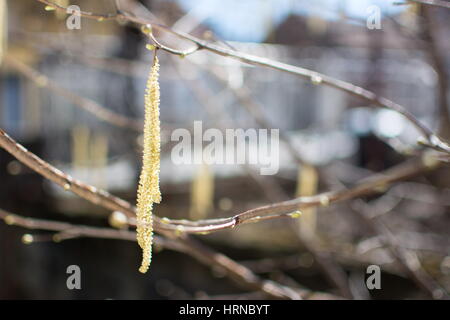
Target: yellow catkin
<point>307,182</point>
<point>202,193</point>
<point>148,189</point>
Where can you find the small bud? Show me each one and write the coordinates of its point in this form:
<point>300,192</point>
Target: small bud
<point>27,238</point>
<point>49,8</point>
<point>10,220</point>
<point>165,220</point>
<point>253,220</point>
<point>147,29</point>
<point>179,231</point>
<point>324,201</point>
<point>296,214</point>
<point>422,141</point>
<point>429,160</point>
<point>381,188</point>
<point>118,220</point>
<point>315,79</point>
<point>150,47</point>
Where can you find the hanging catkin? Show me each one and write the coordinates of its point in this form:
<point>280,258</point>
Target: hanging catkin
<point>148,189</point>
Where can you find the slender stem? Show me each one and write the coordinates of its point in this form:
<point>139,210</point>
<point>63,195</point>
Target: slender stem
<point>316,77</point>
<point>241,274</point>
<point>84,103</point>
<point>277,210</point>
<point>436,3</point>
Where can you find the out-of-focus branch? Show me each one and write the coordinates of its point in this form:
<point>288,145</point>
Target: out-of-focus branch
<point>436,3</point>
<point>67,228</point>
<point>90,193</point>
<point>407,259</point>
<point>254,109</point>
<point>367,186</point>
<point>242,275</point>
<point>268,184</point>
<point>281,209</point>
<point>437,60</point>
<point>315,77</point>
<point>86,104</point>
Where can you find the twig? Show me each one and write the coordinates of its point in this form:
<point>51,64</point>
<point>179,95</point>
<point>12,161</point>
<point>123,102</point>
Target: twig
<point>241,274</point>
<point>271,188</point>
<point>181,53</point>
<point>86,104</point>
<point>407,259</point>
<point>277,210</point>
<point>437,60</point>
<point>283,209</point>
<point>254,109</point>
<point>437,3</point>
<point>310,75</point>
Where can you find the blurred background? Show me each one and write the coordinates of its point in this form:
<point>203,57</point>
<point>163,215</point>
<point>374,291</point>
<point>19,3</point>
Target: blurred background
<point>53,81</point>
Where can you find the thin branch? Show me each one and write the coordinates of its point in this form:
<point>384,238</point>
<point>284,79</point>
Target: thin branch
<point>270,187</point>
<point>282,209</point>
<point>241,274</point>
<point>367,186</point>
<point>254,109</point>
<point>90,193</point>
<point>436,3</point>
<point>310,75</point>
<point>106,200</point>
<point>177,52</point>
<point>437,59</point>
<point>86,104</point>
<point>407,259</point>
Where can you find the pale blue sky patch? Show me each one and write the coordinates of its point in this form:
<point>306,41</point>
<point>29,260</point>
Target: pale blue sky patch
<point>251,20</point>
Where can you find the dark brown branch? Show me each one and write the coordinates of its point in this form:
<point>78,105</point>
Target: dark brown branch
<point>276,210</point>
<point>437,60</point>
<point>239,273</point>
<point>283,209</point>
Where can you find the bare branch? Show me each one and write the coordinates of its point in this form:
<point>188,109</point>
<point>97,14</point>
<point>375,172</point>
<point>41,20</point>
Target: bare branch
<point>86,104</point>
<point>242,275</point>
<point>282,209</point>
<point>437,60</point>
<point>309,75</point>
<point>437,3</point>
